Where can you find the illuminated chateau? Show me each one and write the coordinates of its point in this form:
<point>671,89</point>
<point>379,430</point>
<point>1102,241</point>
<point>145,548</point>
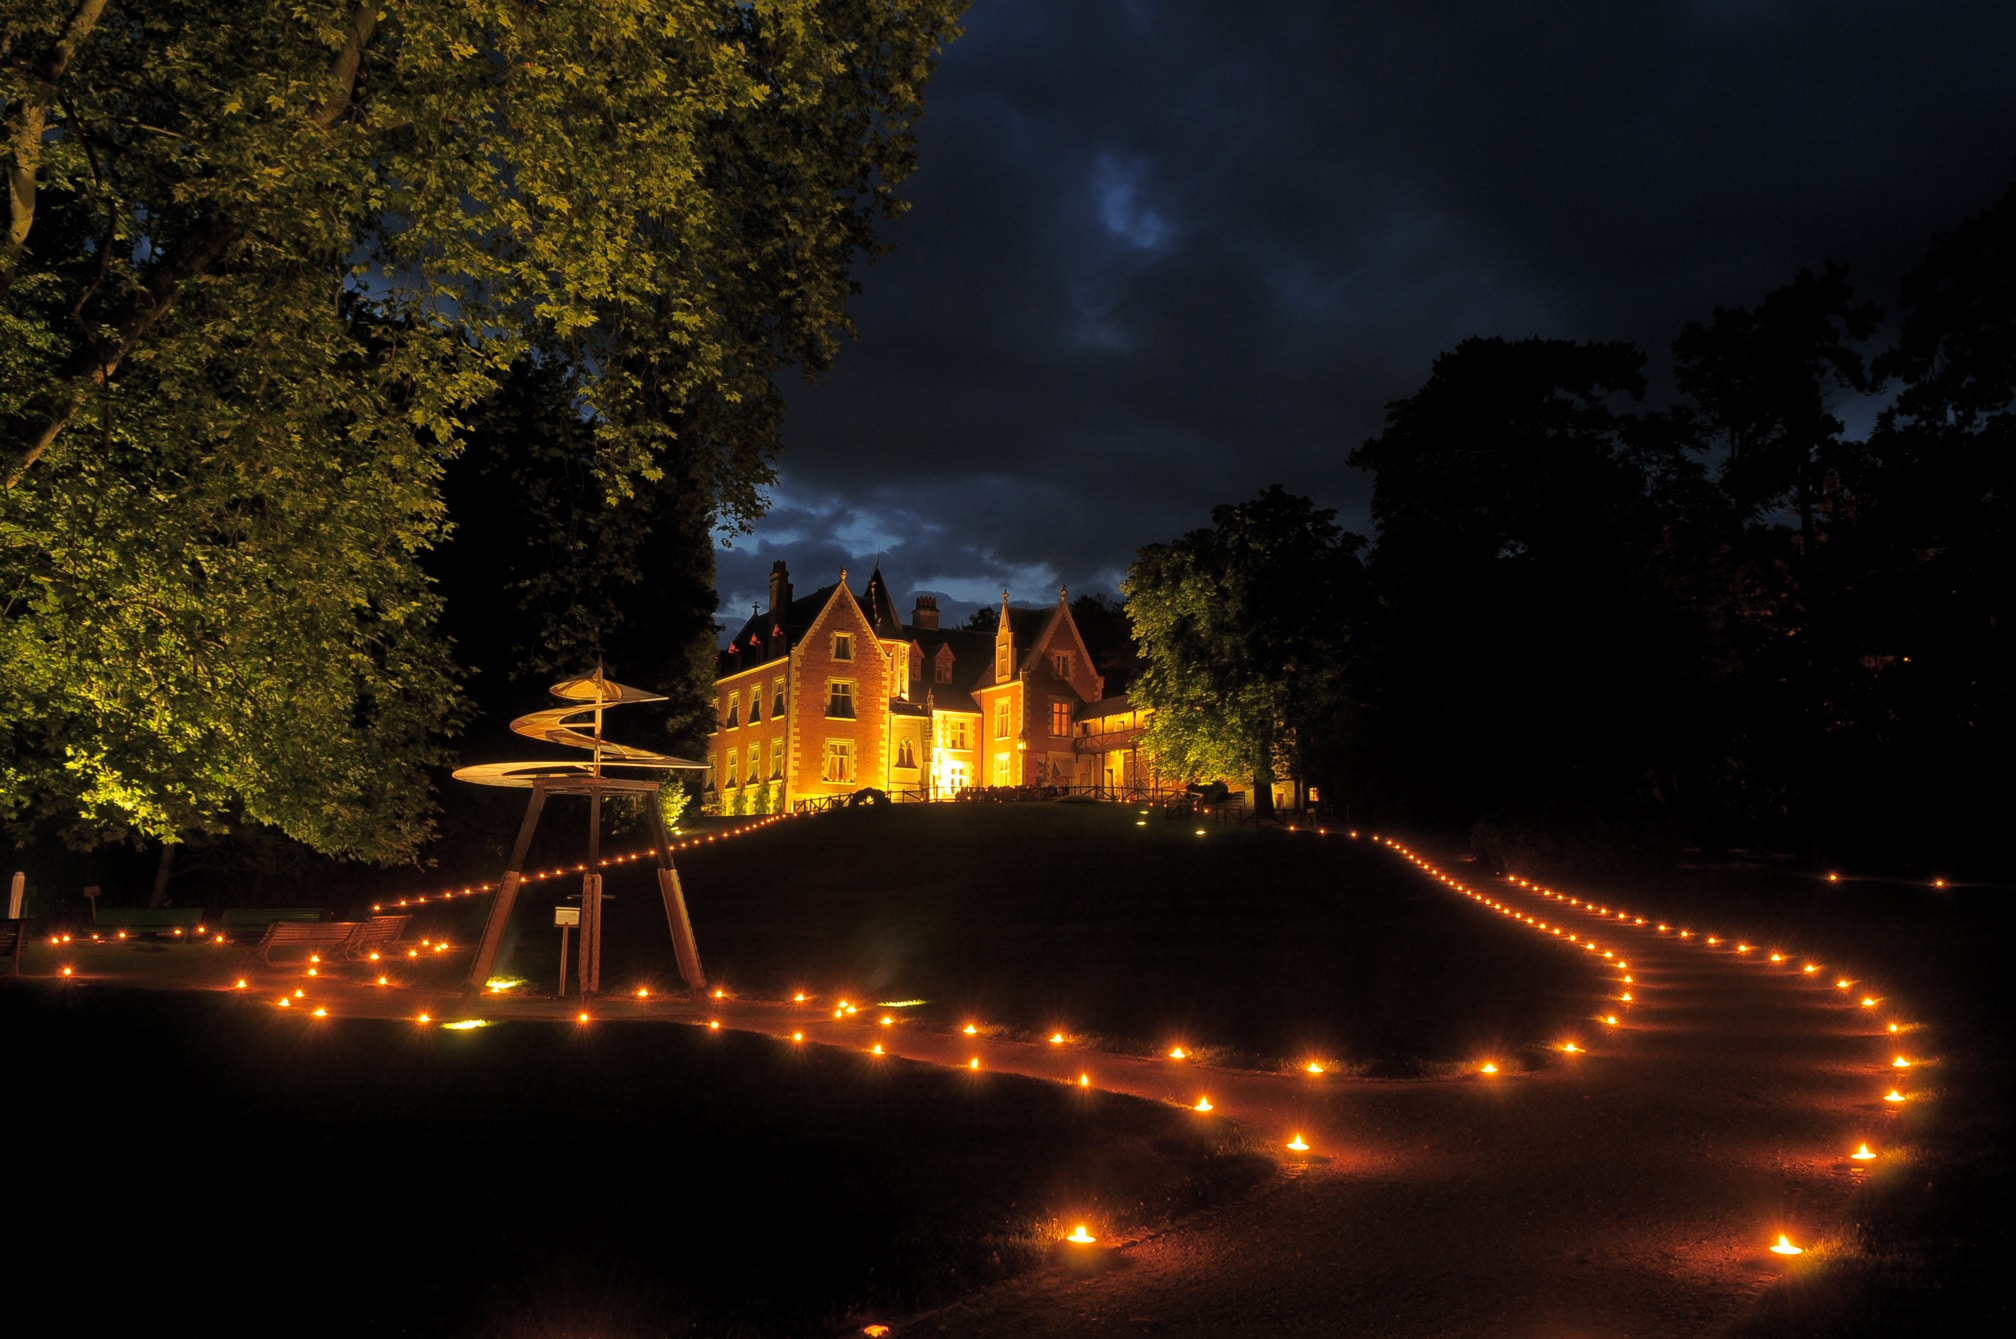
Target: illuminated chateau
<point>828,693</point>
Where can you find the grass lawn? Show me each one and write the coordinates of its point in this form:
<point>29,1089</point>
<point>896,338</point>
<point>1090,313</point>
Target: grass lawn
<point>275,1174</point>
<point>1257,947</point>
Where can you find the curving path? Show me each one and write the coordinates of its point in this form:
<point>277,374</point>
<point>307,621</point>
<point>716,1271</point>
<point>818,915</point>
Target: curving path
<point>1631,1188</point>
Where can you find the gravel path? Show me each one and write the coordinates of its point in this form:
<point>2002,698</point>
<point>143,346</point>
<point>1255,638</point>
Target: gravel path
<point>1633,1188</point>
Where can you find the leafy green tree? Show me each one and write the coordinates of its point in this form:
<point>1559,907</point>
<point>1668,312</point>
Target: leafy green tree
<point>260,260</point>
<point>1243,631</point>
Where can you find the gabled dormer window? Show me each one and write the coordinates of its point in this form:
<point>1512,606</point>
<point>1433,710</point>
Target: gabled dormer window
<point>843,646</point>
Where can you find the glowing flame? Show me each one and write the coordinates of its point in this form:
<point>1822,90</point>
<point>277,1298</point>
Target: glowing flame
<point>1056,1039</point>
<point>582,1018</point>
<point>241,984</point>
<point>876,1049</point>
<point>970,1030</point>
<point>1203,1104</point>
<point>713,1024</point>
<point>643,994</point>
<point>1611,1019</point>
<point>423,1018</point>
<point>1571,1048</point>
<point>1081,1236</point>
<point>1178,1053</point>
<point>1862,1154</point>
<point>321,1013</point>
<point>799,998</point>
<point>974,1063</point>
<point>1299,1144</point>
<point>1488,1068</point>
<point>797,1036</point>
<point>1084,1080</point>
<point>1785,1247</point>
<point>1868,1001</point>
<point>1893,1096</point>
<point>1900,1063</point>
<point>1313,1067</point>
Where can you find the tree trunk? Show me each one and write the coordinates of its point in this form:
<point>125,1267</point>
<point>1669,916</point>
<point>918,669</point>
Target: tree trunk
<point>1263,784</point>
<point>162,870</point>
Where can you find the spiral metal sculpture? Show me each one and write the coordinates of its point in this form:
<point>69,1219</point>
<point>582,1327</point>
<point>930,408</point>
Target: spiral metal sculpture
<point>589,698</point>
<point>579,725</point>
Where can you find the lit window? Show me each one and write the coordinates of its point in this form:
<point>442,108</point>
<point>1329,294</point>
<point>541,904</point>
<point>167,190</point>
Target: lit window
<point>1001,773</point>
<point>959,735</point>
<point>1001,717</point>
<point>734,708</point>
<point>905,755</point>
<point>776,760</point>
<point>755,706</point>
<point>1001,663</point>
<point>843,646</point>
<point>839,760</point>
<point>729,778</point>
<point>1060,717</point>
<point>840,698</point>
<point>777,702</point>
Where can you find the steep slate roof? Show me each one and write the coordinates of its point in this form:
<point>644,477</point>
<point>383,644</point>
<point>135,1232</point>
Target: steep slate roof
<point>795,618</point>
<point>972,666</point>
<point>881,610</point>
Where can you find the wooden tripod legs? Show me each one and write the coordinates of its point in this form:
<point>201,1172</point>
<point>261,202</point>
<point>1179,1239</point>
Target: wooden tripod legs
<point>507,893</point>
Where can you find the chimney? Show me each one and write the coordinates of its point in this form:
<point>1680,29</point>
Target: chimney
<point>924,617</point>
<point>780,588</point>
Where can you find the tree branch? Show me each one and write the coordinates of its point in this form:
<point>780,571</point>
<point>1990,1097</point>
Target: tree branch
<point>349,60</point>
<point>30,120</point>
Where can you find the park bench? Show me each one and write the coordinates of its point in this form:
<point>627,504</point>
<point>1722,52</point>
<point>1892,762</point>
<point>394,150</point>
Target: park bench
<point>379,931</point>
<point>304,934</point>
<point>258,918</point>
<point>14,941</point>
<point>149,921</point>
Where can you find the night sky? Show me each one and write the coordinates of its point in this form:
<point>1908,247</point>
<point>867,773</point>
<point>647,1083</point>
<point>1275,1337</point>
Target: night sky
<point>1163,254</point>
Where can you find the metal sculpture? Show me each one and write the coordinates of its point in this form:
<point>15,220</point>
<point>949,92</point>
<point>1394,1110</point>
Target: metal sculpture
<point>579,725</point>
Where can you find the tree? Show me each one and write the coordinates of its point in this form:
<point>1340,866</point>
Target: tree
<point>261,259</point>
<point>1763,379</point>
<point>1243,631</point>
<point>1519,626</point>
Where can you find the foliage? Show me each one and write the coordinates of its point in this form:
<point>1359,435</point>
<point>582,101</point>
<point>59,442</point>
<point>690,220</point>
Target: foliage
<point>261,259</point>
<point>1243,632</point>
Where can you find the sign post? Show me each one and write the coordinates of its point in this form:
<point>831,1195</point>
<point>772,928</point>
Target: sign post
<point>566,918</point>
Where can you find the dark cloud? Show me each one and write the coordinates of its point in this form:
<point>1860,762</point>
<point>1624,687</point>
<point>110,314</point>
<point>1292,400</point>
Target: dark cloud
<point>1164,254</point>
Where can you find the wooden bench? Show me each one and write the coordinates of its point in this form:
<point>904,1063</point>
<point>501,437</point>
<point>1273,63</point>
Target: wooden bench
<point>14,941</point>
<point>378,931</point>
<point>303,934</point>
<point>149,921</point>
<point>258,918</point>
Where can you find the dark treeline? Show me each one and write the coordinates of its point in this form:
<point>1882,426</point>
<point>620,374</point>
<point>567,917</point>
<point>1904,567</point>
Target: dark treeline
<point>1724,621</point>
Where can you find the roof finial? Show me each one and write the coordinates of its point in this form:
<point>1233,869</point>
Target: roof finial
<point>843,576</point>
<point>1063,595</point>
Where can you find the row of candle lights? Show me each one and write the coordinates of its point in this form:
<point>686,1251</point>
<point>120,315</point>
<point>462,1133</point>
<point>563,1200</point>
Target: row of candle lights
<point>1862,1153</point>
<point>606,862</point>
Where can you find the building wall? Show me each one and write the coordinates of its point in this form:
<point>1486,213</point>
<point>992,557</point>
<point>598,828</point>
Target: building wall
<point>813,669</point>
